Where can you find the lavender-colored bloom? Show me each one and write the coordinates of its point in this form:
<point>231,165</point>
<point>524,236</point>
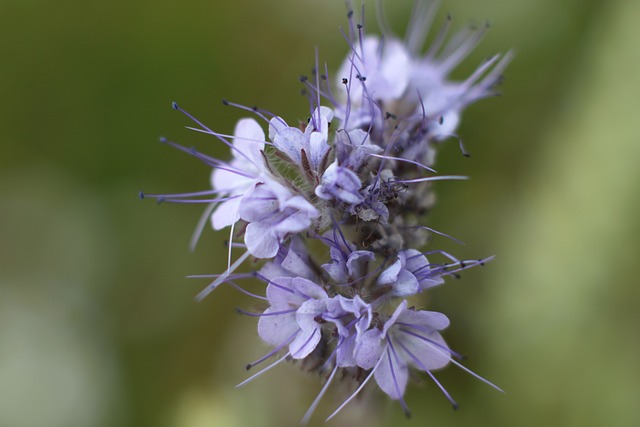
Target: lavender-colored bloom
<point>347,264</point>
<point>295,303</point>
<point>389,75</point>
<point>375,71</point>
<point>409,274</point>
<point>313,141</point>
<point>273,213</point>
<point>352,316</point>
<point>334,217</point>
<point>408,338</point>
<point>341,184</point>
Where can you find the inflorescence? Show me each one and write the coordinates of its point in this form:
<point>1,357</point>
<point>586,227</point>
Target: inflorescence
<point>356,179</point>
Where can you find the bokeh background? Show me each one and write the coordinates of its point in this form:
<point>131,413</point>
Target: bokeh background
<point>97,322</point>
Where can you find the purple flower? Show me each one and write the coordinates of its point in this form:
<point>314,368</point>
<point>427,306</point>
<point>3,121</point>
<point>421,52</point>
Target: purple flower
<point>408,338</point>
<point>295,304</point>
<point>352,316</point>
<point>333,216</point>
<point>310,146</point>
<point>346,263</point>
<point>410,274</point>
<point>341,184</point>
<point>273,213</point>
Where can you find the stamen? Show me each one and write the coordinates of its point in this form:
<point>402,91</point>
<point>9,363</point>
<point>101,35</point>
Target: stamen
<point>439,233</point>
<point>355,393</point>
<point>433,178</point>
<point>315,403</point>
<point>206,291</point>
<point>273,313</point>
<point>400,159</point>
<point>430,341</point>
<point>227,143</point>
<point>273,351</point>
<point>222,135</point>
<point>256,375</point>
<point>390,350</point>
<point>421,365</point>
<point>420,24</point>
<point>202,222</point>
<point>469,371</point>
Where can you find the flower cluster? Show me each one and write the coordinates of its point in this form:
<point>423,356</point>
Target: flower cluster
<point>354,183</point>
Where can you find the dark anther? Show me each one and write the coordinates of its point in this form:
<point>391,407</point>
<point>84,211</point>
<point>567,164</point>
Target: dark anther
<point>314,71</point>
<point>412,308</point>
<point>457,276</point>
<point>481,262</point>
<point>441,120</point>
<point>163,139</point>
<point>345,81</point>
<point>254,108</point>
<point>141,195</point>
<point>454,406</point>
<point>303,79</point>
<point>319,319</point>
<point>323,76</point>
<point>225,102</point>
<point>462,264</point>
<point>359,26</point>
<point>388,115</point>
<point>248,366</point>
<point>303,92</point>
<point>174,105</point>
<point>350,14</point>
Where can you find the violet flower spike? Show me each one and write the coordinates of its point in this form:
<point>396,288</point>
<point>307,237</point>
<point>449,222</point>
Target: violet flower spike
<point>332,215</point>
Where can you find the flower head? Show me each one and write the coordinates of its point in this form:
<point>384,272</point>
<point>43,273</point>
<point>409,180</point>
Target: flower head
<point>332,211</point>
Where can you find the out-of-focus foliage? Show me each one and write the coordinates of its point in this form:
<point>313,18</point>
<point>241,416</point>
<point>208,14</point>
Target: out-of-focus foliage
<point>97,322</point>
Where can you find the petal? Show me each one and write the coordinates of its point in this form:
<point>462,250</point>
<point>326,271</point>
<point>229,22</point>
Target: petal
<point>281,294</point>
<point>226,214</point>
<point>259,204</point>
<point>308,289</point>
<point>406,284</point>
<point>390,274</point>
<point>249,140</point>
<point>277,329</point>
<point>297,260</point>
<point>392,375</point>
<point>260,241</point>
<point>357,262</point>
<point>423,350</point>
<point>290,141</point>
<point>368,348</point>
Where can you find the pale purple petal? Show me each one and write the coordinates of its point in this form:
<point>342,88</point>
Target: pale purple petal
<point>260,240</point>
<point>277,329</point>
<point>368,348</point>
<point>392,375</point>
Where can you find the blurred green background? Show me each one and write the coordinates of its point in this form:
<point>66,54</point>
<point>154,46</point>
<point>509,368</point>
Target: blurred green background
<point>97,322</point>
